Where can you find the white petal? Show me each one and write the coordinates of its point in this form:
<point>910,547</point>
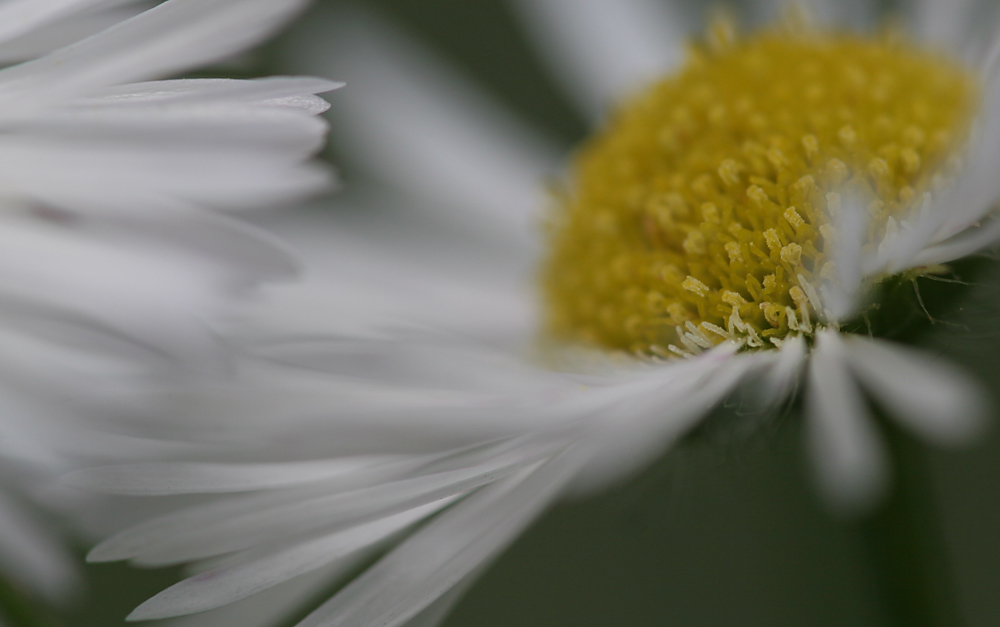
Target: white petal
<point>435,613</point>
<point>442,554</point>
<point>971,240</point>
<point>958,223</point>
<point>204,533</point>
<point>224,585</point>
<point>427,132</point>
<point>105,178</point>
<point>846,451</point>
<point>841,295</point>
<point>652,413</point>
<point>284,91</point>
<point>194,478</point>
<point>151,297</point>
<point>857,14</point>
<point>18,17</point>
<point>942,23</point>
<point>278,132</point>
<point>266,608</point>
<point>413,276</point>
<point>932,397</point>
<point>30,554</point>
<point>604,49</point>
<point>171,37</point>
<point>65,31</point>
<point>784,374</point>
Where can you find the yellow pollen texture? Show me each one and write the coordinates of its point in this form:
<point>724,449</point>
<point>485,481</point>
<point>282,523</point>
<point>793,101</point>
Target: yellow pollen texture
<point>702,212</point>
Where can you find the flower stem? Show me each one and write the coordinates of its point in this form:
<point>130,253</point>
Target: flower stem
<point>905,546</point>
<point>16,610</point>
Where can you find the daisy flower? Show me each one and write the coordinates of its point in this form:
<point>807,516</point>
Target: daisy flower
<point>451,369</point>
<point>116,254</point>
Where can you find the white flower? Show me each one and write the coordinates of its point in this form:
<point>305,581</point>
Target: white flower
<point>115,260</point>
<point>404,381</point>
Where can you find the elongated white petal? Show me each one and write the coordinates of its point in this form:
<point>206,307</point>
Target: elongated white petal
<point>840,295</point>
<point>943,23</point>
<point>427,132</point>
<point>221,586</point>
<point>970,241</point>
<point>32,554</point>
<point>932,397</point>
<point>649,415</point>
<point>173,36</point>
<point>152,299</point>
<point>103,178</point>
<point>414,276</point>
<point>18,17</point>
<point>443,554</point>
<point>61,32</point>
<point>949,223</point>
<point>435,613</point>
<point>279,91</point>
<point>269,607</point>
<point>846,451</point>
<point>165,542</point>
<point>279,133</point>
<point>194,478</point>
<point>785,373</point>
<point>604,49</point>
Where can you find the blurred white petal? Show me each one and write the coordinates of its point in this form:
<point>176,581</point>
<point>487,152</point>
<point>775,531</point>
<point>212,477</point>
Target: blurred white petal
<point>439,556</point>
<point>847,452</point>
<point>224,585</point>
<point>604,49</point>
<point>115,270</point>
<point>33,556</point>
<point>168,38</point>
<point>426,131</point>
<point>932,397</point>
<point>18,17</point>
<point>943,23</point>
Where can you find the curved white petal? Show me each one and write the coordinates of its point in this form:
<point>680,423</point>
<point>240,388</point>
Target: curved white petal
<point>652,413</point>
<point>942,23</point>
<point>268,607</point>
<point>365,281</point>
<point>61,32</point>
<point>32,555</point>
<point>227,584</point>
<point>841,296</point>
<point>194,478</point>
<point>172,539</point>
<point>785,374</point>
<point>930,396</point>
<point>602,50</point>
<point>171,37</point>
<point>845,449</point>
<point>425,131</point>
<point>443,554</point>
<point>856,14</point>
<point>19,17</point>
<point>274,91</point>
<point>950,222</point>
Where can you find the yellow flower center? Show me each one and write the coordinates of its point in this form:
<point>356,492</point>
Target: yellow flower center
<point>702,212</point>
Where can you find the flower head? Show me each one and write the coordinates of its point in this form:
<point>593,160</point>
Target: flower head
<point>731,223</point>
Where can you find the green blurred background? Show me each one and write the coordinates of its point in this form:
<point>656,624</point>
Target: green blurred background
<point>726,530</point>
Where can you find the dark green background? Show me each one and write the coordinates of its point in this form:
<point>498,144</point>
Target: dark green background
<point>726,531</point>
